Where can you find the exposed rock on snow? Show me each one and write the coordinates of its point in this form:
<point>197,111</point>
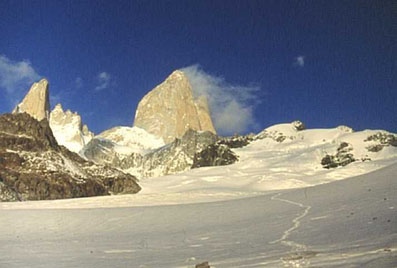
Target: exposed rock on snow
<point>214,155</point>
<point>68,129</point>
<point>236,141</point>
<point>381,140</point>
<point>298,125</point>
<point>342,158</point>
<point>281,132</point>
<point>171,158</point>
<point>36,102</point>
<point>169,110</point>
<point>34,167</point>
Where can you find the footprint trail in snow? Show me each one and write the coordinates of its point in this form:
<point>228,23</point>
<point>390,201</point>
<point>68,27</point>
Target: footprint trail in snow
<point>299,255</point>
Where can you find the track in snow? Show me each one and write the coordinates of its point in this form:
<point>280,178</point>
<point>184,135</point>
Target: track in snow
<point>299,254</point>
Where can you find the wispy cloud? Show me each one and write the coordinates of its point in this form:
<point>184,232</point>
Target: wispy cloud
<point>231,106</point>
<point>78,83</point>
<point>299,61</point>
<point>104,80</point>
<point>16,75</point>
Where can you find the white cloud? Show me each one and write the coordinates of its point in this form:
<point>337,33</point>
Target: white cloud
<point>231,105</point>
<point>103,81</point>
<point>16,76</point>
<point>299,61</point>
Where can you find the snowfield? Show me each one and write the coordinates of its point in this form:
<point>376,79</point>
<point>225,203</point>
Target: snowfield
<point>276,207</point>
<point>346,223</point>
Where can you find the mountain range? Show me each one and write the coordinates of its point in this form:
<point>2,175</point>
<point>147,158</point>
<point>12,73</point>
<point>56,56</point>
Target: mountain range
<point>172,133</point>
<point>287,196</point>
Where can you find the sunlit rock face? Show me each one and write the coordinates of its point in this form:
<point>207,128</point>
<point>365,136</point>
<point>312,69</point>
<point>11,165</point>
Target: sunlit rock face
<point>36,102</point>
<point>68,129</point>
<point>170,109</point>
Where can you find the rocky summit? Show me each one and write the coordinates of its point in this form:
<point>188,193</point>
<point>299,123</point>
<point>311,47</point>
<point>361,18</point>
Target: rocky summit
<point>34,167</point>
<point>36,102</point>
<point>170,109</point>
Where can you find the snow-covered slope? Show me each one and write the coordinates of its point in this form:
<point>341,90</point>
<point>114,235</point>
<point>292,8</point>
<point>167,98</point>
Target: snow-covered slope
<point>131,140</point>
<point>267,165</point>
<point>348,223</point>
<point>243,215</point>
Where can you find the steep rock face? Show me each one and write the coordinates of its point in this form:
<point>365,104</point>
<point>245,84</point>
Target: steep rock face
<point>170,109</point>
<point>203,113</point>
<point>68,129</point>
<point>34,167</point>
<point>172,158</point>
<point>36,102</point>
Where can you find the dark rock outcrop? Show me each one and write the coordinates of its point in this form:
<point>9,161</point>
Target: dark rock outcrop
<point>21,132</point>
<point>342,157</point>
<point>34,167</point>
<point>381,140</point>
<point>214,155</point>
<point>237,141</point>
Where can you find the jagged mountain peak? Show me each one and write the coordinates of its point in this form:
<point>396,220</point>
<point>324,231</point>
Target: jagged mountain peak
<point>36,102</point>
<point>170,109</point>
<point>68,129</point>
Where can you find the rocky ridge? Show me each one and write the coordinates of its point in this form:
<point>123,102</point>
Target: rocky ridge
<point>34,167</point>
<point>174,157</point>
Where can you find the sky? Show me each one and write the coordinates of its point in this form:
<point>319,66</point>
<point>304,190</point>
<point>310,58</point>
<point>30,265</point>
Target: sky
<point>326,63</point>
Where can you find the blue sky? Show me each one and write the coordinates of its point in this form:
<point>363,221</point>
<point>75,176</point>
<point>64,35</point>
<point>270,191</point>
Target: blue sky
<point>326,63</point>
